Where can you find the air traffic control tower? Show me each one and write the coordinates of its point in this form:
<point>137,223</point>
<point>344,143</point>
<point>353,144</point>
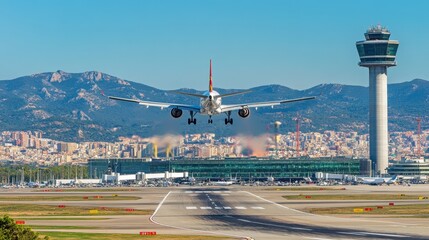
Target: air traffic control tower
<point>378,53</point>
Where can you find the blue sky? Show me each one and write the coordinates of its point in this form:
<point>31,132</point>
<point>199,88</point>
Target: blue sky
<point>168,44</point>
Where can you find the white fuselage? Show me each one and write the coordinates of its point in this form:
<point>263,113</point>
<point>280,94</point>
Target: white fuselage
<point>211,105</point>
<point>378,180</point>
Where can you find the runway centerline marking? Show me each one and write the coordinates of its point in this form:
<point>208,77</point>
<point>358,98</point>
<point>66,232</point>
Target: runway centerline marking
<point>191,208</point>
<point>300,228</point>
<point>243,220</point>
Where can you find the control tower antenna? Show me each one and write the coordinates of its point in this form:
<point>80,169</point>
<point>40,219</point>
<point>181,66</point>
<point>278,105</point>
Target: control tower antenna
<point>377,53</point>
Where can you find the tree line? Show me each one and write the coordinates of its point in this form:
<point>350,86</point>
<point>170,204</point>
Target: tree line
<point>19,174</point>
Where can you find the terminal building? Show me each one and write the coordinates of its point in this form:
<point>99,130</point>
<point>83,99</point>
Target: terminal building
<point>410,168</point>
<point>238,168</point>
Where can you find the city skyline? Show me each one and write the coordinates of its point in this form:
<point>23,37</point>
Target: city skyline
<point>251,43</point>
<point>32,147</point>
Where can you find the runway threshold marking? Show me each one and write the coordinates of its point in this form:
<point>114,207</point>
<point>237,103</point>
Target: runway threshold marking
<point>217,192</point>
<point>258,208</point>
<point>152,219</point>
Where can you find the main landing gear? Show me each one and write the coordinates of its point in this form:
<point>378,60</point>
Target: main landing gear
<point>228,119</point>
<point>210,119</point>
<point>192,119</point>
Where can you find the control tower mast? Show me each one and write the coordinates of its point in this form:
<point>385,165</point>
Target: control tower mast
<point>378,53</point>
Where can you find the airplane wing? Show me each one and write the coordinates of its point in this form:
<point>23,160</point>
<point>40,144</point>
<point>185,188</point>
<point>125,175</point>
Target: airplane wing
<point>161,105</point>
<point>226,108</point>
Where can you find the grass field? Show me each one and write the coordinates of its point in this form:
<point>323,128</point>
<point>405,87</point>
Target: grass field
<point>353,197</point>
<point>104,236</point>
<point>416,210</point>
<point>103,189</point>
<point>62,218</point>
<point>38,227</point>
<point>24,210</point>
<point>308,189</point>
<point>68,198</point>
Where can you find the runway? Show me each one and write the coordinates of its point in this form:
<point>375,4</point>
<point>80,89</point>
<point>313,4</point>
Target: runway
<point>243,214</point>
<point>237,212</point>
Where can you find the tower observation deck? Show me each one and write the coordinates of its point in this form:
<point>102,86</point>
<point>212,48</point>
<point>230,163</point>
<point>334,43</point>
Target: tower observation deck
<point>378,53</point>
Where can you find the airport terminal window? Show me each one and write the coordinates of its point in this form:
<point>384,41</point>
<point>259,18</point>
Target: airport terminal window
<point>391,49</point>
<point>380,49</point>
<point>361,50</point>
<point>369,49</point>
<point>377,59</point>
<point>235,168</point>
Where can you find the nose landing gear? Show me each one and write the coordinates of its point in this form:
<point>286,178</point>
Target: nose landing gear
<point>210,119</point>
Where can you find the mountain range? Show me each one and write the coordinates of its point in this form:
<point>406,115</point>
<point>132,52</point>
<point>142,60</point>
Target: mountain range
<point>75,107</point>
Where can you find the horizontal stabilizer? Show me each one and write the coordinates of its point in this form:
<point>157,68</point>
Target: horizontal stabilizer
<point>190,94</point>
<point>233,94</point>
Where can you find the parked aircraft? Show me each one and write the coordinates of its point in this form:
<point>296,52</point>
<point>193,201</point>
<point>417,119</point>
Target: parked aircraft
<point>379,180</point>
<point>211,104</point>
<point>222,183</point>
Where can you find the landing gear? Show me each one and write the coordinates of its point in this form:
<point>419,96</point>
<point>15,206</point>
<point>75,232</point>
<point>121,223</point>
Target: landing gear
<point>192,119</point>
<point>228,119</point>
<point>210,120</point>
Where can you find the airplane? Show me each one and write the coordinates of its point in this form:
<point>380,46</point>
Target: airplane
<point>379,180</point>
<point>222,183</point>
<point>211,104</point>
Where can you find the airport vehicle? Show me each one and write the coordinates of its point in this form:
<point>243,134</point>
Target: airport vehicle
<point>379,180</point>
<point>210,104</point>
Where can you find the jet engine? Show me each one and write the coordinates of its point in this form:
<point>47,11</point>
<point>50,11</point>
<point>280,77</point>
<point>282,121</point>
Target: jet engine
<point>176,112</point>
<point>244,112</point>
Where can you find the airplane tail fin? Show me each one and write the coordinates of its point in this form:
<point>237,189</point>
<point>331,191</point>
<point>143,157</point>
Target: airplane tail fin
<point>210,78</point>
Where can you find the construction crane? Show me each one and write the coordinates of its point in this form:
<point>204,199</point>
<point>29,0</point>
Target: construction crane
<point>419,133</point>
<point>297,119</point>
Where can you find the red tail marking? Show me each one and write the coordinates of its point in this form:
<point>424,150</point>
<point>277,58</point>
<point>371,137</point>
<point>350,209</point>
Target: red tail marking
<point>210,79</point>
